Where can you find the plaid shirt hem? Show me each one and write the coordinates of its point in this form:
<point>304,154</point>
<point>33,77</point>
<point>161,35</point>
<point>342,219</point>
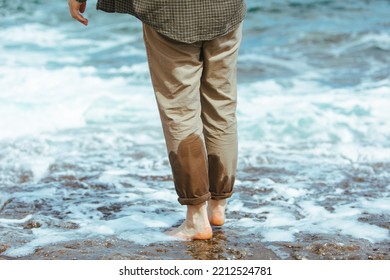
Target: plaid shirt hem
<point>186,21</point>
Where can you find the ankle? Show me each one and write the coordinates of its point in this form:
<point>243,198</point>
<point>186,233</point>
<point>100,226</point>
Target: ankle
<point>214,204</point>
<point>197,215</point>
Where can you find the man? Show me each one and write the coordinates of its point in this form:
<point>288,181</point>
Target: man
<point>192,48</point>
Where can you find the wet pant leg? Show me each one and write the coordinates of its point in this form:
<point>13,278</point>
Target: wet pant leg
<point>219,100</point>
<point>195,89</point>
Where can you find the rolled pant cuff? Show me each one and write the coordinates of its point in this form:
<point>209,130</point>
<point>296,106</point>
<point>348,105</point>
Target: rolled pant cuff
<point>194,201</point>
<point>221,196</point>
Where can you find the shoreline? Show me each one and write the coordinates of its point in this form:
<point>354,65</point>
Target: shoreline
<point>225,245</point>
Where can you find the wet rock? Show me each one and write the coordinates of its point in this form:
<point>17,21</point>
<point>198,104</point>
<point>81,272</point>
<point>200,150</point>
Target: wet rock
<point>32,224</point>
<point>380,220</point>
<point>75,184</point>
<point>3,248</point>
<point>335,247</point>
<point>25,177</point>
<point>69,225</point>
<point>333,251</point>
<point>109,211</point>
<point>16,208</point>
<point>5,204</point>
<point>101,186</point>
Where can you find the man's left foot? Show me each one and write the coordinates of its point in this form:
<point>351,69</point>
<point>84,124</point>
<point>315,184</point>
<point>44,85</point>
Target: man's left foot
<point>196,226</point>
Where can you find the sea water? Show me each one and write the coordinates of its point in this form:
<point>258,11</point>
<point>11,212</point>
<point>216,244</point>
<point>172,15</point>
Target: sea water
<point>82,153</point>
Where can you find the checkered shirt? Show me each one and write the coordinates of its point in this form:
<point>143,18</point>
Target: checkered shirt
<point>186,21</point>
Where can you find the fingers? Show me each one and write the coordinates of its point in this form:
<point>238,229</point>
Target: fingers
<point>75,9</point>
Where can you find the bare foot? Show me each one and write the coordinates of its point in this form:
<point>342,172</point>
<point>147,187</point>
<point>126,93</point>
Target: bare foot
<point>196,225</point>
<point>216,211</point>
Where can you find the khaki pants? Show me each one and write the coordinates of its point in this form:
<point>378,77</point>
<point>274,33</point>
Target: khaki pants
<point>196,92</point>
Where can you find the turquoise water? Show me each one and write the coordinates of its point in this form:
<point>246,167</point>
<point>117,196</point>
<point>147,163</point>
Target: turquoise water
<point>82,152</point>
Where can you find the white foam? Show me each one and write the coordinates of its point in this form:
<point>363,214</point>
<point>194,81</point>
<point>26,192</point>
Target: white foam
<point>40,166</point>
<point>376,206</point>
<point>32,33</point>
<point>312,113</point>
<point>42,237</point>
<point>166,195</point>
<point>35,99</point>
<point>15,221</point>
<point>102,229</point>
<point>278,235</point>
<point>281,223</point>
<point>289,192</point>
<point>381,40</point>
<point>300,124</point>
<point>278,218</point>
<point>246,222</point>
<point>141,228</point>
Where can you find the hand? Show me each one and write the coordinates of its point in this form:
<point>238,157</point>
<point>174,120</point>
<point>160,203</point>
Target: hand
<point>76,9</point>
